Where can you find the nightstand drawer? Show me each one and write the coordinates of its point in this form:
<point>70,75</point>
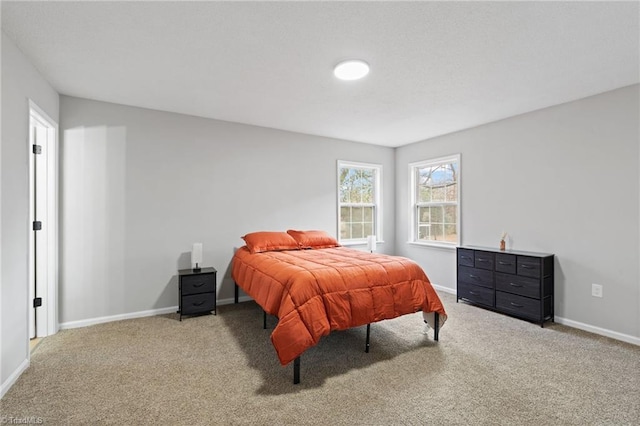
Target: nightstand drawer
<point>506,263</point>
<point>516,284</point>
<point>201,283</point>
<point>475,276</point>
<point>475,294</point>
<point>529,266</point>
<point>518,305</point>
<point>204,302</point>
<point>465,257</point>
<point>484,260</point>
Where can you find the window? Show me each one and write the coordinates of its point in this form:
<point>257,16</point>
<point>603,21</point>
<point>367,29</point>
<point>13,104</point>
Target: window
<point>359,212</point>
<point>435,201</point>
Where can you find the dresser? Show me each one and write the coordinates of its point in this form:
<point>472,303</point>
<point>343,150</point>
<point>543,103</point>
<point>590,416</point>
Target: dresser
<point>517,283</point>
<point>196,291</point>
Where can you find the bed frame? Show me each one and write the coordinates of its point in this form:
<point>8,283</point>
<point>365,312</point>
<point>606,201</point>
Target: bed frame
<point>296,362</point>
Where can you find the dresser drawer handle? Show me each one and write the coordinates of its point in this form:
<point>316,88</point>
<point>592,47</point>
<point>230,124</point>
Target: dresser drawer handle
<point>462,256</point>
<point>199,284</point>
<point>475,277</point>
<point>505,263</point>
<point>482,260</point>
<point>198,303</point>
<point>516,305</point>
<point>473,292</point>
<point>515,285</point>
<point>523,266</point>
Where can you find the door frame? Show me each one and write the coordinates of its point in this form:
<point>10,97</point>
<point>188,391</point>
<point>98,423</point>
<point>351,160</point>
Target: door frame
<point>49,308</point>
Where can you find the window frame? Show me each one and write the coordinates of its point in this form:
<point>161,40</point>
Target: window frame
<point>413,204</point>
<point>377,195</point>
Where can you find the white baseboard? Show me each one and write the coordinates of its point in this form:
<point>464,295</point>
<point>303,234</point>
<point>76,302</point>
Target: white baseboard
<point>230,300</point>
<point>14,377</point>
<point>597,330</point>
<point>571,323</point>
<point>140,314</point>
<point>444,289</point>
<point>120,317</point>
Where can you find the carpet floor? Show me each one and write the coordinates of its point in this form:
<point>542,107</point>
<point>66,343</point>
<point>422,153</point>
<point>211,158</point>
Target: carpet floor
<point>487,368</point>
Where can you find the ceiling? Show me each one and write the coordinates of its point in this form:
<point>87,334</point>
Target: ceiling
<point>436,67</point>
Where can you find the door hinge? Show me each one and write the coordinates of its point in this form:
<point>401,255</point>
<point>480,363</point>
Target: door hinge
<point>37,149</point>
<point>37,225</point>
<point>37,302</point>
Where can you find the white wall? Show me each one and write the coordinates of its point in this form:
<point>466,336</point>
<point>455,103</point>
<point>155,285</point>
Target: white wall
<point>561,180</point>
<point>139,186</point>
<point>20,82</point>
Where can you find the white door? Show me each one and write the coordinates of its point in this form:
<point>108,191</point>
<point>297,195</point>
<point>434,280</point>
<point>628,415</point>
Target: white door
<point>43,226</point>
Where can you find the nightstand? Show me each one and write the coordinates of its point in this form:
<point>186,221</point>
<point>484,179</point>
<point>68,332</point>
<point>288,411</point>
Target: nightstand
<point>196,291</point>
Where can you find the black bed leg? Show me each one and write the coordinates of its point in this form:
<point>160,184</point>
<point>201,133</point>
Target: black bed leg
<point>235,295</point>
<point>296,371</point>
<point>264,320</point>
<point>366,348</point>
<point>436,326</point>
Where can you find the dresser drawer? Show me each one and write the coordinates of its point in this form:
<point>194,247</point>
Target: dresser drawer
<point>484,260</point>
<point>529,266</point>
<point>475,294</point>
<point>201,283</point>
<point>517,284</point>
<point>518,305</point>
<point>465,257</point>
<point>195,303</point>
<point>506,263</point>
<point>475,276</point>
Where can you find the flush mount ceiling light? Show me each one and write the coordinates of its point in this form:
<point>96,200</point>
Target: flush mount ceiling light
<point>353,69</point>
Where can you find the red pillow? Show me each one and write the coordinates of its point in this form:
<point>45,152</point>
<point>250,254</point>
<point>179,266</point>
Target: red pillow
<point>313,239</point>
<point>257,242</point>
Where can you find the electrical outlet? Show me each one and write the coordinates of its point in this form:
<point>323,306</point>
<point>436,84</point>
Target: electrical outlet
<point>596,290</point>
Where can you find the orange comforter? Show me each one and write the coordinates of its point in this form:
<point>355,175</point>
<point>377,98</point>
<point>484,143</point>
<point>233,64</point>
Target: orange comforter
<point>315,291</point>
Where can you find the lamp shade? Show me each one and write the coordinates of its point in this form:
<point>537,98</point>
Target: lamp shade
<point>196,254</point>
<point>371,243</point>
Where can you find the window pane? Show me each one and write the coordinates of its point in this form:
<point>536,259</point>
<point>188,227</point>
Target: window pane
<point>345,214</point>
<point>367,194</point>
<point>357,230</point>
<point>451,192</point>
<point>450,213</point>
<point>437,231</point>
<point>423,232</point>
<point>450,234</point>
<point>437,214</point>
<point>345,219</point>
<point>368,229</point>
<point>424,194</point>
<point>356,214</point>
<point>423,214</point>
<point>442,174</point>
<point>424,175</point>
<point>368,214</point>
<point>344,231</point>
<point>344,195</point>
<point>350,185</point>
<point>438,193</point>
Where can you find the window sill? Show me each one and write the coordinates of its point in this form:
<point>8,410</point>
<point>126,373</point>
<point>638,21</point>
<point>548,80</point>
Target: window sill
<point>356,243</point>
<point>442,246</point>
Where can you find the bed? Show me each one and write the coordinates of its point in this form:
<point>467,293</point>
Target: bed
<point>314,286</point>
